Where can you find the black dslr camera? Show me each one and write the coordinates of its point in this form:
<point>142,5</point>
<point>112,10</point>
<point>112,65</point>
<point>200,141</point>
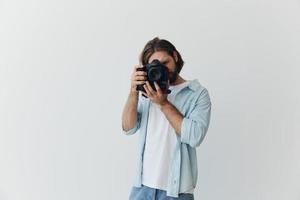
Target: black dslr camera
<point>157,72</point>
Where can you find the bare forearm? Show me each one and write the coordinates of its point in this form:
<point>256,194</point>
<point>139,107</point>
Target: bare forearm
<point>129,116</point>
<point>173,115</point>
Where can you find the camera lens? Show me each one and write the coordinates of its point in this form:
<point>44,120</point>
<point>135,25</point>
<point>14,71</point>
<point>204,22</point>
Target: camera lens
<point>154,74</point>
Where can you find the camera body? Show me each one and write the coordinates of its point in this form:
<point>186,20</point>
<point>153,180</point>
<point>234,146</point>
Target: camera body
<point>157,72</point>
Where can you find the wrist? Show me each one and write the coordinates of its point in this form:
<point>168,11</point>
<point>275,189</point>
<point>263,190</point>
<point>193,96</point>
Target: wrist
<point>133,93</point>
<point>164,104</point>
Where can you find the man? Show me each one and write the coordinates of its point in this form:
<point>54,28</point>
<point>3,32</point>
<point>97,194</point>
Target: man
<point>170,127</point>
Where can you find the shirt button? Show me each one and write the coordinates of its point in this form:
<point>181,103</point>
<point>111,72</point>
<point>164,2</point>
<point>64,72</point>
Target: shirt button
<point>175,181</point>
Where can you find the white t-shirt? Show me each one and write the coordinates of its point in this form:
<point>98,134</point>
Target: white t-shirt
<point>160,143</point>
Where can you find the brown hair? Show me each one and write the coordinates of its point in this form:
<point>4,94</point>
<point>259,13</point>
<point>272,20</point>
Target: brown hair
<point>157,44</point>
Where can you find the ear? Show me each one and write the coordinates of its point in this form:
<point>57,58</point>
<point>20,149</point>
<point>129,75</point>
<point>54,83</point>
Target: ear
<point>175,56</point>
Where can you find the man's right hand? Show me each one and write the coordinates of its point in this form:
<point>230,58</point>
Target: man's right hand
<point>137,78</point>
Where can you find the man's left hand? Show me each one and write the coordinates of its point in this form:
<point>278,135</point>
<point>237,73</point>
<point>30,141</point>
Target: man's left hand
<point>158,96</point>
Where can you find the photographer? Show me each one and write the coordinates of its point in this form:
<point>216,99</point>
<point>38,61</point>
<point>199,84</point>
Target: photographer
<point>170,125</point>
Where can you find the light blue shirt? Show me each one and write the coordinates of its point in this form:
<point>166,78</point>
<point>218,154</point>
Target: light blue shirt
<point>193,102</point>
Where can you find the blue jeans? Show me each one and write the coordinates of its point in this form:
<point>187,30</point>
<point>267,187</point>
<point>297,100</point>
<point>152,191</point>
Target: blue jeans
<point>148,193</point>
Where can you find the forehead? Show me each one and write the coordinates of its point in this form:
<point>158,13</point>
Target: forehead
<point>159,55</point>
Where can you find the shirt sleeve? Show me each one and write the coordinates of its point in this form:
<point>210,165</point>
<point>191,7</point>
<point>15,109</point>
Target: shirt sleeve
<point>138,122</point>
<point>195,126</point>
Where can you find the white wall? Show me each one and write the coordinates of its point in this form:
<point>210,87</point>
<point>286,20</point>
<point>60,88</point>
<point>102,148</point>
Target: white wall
<point>65,68</point>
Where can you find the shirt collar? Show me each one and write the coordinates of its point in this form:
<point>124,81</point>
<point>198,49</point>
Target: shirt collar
<point>194,84</point>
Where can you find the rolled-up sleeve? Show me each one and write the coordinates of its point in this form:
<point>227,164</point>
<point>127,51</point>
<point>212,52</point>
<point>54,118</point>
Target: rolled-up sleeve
<point>195,126</point>
<point>138,122</point>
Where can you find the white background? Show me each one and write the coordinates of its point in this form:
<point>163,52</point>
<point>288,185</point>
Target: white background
<point>65,70</point>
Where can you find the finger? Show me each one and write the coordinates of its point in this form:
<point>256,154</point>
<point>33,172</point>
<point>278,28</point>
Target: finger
<point>168,86</point>
<point>135,68</point>
<point>147,90</point>
<point>140,73</point>
<point>139,82</point>
<point>140,78</point>
<point>145,94</point>
<point>138,66</point>
<point>149,87</point>
<point>157,88</point>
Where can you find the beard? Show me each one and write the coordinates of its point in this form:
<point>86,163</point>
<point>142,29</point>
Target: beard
<point>173,76</point>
